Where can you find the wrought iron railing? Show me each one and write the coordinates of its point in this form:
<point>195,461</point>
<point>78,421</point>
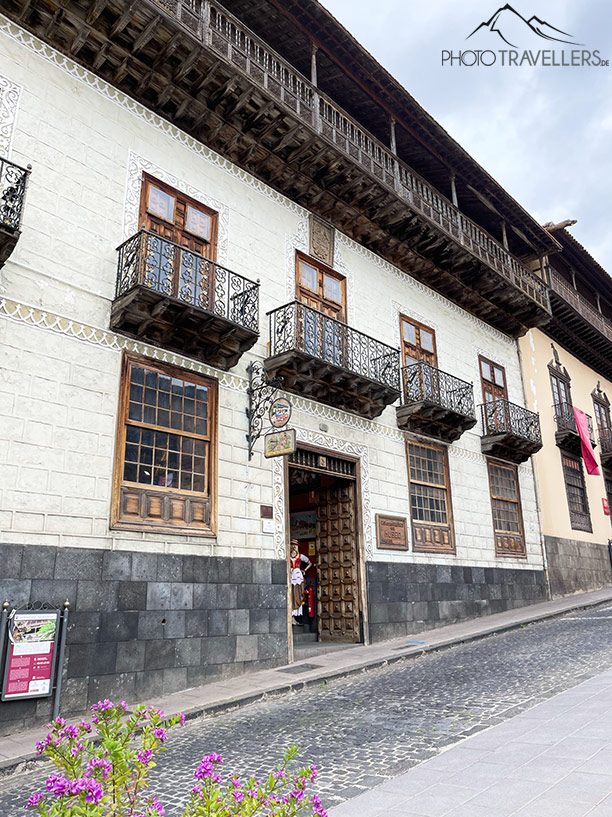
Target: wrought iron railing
<point>149,260</point>
<point>13,180</point>
<point>565,420</point>
<point>240,46</point>
<point>605,440</point>
<point>423,382</point>
<point>589,312</point>
<point>298,327</point>
<point>503,417</point>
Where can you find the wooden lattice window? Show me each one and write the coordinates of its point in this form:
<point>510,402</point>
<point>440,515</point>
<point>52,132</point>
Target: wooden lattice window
<point>166,448</point>
<point>575,488</point>
<point>506,507</point>
<point>430,505</point>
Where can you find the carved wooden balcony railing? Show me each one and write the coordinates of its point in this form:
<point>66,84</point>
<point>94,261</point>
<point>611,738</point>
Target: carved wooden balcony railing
<point>323,358</point>
<point>13,182</point>
<point>510,432</point>
<point>566,435</point>
<point>243,48</point>
<point>605,442</point>
<point>435,403</point>
<point>580,304</point>
<point>180,300</point>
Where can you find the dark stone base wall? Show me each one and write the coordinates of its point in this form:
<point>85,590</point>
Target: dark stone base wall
<point>409,598</point>
<point>575,566</point>
<point>142,625</point>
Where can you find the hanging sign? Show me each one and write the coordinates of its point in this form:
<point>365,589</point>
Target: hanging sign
<point>30,658</point>
<point>280,412</point>
<point>279,443</point>
<point>391,532</point>
<point>606,506</point>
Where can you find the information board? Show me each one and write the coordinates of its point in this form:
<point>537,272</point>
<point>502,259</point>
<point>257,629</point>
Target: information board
<point>391,532</point>
<point>30,664</point>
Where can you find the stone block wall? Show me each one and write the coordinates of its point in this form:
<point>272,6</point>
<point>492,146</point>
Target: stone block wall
<point>575,566</point>
<point>409,598</point>
<point>144,624</point>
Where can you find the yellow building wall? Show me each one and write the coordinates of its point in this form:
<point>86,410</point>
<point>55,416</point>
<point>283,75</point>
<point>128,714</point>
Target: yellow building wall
<point>536,354</point>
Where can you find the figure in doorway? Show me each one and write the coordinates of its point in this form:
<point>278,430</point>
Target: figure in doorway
<point>296,560</point>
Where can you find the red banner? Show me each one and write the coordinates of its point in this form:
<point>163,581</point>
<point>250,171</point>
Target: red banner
<point>588,455</point>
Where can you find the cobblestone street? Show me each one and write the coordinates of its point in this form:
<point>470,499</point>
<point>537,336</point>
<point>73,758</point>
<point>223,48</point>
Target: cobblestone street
<point>373,726</point>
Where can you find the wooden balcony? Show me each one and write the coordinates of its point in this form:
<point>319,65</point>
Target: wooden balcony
<point>579,325</point>
<point>435,403</point>
<point>177,299</point>
<point>566,435</point>
<point>328,361</point>
<point>13,182</point>
<point>510,432</point>
<point>195,64</point>
<point>605,451</point>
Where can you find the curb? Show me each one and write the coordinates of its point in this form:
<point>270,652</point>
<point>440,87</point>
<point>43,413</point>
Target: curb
<point>14,766</point>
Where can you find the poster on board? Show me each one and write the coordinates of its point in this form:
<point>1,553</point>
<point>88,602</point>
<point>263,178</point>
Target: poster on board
<point>29,667</point>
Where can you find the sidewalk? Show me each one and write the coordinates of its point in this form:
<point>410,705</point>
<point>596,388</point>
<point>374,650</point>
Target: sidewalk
<point>17,751</point>
<point>554,760</point>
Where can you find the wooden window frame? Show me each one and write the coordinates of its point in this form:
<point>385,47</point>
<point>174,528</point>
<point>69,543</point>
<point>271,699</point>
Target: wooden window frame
<point>565,379</point>
<point>416,526</point>
<point>601,405</point>
<point>116,522</point>
<point>419,326</point>
<point>325,270</point>
<point>482,359</point>
<point>508,544</point>
<point>148,180</point>
<point>578,521</point>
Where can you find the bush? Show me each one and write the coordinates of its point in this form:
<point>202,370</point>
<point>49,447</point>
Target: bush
<point>109,776</point>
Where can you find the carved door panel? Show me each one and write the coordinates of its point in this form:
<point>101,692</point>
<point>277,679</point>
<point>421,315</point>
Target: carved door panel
<point>338,602</point>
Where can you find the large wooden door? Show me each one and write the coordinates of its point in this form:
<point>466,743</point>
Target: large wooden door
<point>337,568</point>
<point>180,271</point>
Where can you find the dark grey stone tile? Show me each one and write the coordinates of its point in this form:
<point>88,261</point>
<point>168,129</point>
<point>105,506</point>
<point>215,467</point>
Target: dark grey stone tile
<point>248,596</point>
<point>130,656</point>
<point>196,622</point>
<point>280,572</point>
<point>119,626</point>
<point>238,622</point>
<point>159,654</point>
<point>116,688</point>
<point>132,596</point>
<point>219,569</point>
<point>273,645</point>
<point>218,623</point>
<point>278,620</point>
<point>259,621</point>
<point>181,596</point>
<point>169,568</point>
<point>149,684</point>
<point>79,563</point>
<point>175,624</point>
<point>144,567</point>
<point>97,595</point>
<point>188,652</point>
<point>174,678</point>
<point>55,592</point>
<point>227,596</point>
<point>15,591</point>
<point>38,562</point>
<point>221,650</point>
<point>151,624</point>
<point>117,564</point>
<point>241,570</point>
<point>204,596</point>
<point>74,694</point>
<point>83,627</point>
<point>247,647</point>
<point>262,571</point>
<point>159,596</point>
<point>271,596</point>
<point>11,557</point>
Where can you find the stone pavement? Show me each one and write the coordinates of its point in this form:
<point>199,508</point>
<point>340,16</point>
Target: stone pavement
<point>16,751</point>
<point>554,760</point>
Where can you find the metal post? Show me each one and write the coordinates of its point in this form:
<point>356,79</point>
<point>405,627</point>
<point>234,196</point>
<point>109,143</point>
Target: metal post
<point>60,658</point>
<point>3,631</point>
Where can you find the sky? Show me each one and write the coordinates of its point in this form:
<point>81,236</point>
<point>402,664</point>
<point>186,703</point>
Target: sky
<point>544,133</point>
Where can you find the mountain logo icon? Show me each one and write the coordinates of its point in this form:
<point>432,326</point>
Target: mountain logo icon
<point>512,27</point>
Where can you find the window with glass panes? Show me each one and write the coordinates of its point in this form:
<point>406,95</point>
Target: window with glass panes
<point>166,447</point>
<point>429,498</point>
<point>506,508</point>
<point>575,488</point>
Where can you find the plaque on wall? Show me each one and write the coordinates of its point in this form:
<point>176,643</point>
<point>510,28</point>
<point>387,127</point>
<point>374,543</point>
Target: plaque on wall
<point>391,532</point>
<point>322,240</point>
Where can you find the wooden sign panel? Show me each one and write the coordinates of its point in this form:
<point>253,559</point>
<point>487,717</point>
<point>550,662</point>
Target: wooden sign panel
<point>279,443</point>
<point>391,532</point>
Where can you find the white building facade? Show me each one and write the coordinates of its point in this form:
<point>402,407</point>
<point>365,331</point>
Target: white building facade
<point>170,598</point>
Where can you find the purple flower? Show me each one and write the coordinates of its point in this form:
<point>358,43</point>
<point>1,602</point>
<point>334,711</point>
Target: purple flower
<point>101,763</point>
<point>35,799</point>
<point>156,806</point>
<point>160,734</point>
<point>144,757</point>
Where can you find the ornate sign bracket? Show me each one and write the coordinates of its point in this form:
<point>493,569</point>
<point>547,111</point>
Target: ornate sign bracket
<point>260,392</point>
